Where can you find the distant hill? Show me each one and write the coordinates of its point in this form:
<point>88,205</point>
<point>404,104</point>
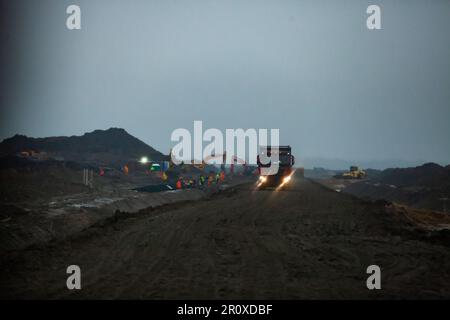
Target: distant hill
<point>341,164</point>
<point>429,175</point>
<point>422,186</point>
<point>111,146</point>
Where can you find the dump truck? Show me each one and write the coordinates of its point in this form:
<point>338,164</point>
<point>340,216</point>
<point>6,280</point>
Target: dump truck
<point>275,175</point>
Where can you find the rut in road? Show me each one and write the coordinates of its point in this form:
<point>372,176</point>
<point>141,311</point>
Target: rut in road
<point>305,242</point>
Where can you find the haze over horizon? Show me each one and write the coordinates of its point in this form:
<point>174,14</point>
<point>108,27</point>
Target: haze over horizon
<point>336,90</point>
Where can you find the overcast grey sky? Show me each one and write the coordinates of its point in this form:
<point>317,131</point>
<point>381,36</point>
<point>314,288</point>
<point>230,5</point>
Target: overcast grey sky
<point>311,68</point>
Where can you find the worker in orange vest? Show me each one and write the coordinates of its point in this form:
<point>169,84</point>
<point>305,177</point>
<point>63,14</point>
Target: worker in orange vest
<point>178,184</point>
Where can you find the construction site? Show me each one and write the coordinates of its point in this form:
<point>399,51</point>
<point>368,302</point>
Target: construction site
<point>148,229</point>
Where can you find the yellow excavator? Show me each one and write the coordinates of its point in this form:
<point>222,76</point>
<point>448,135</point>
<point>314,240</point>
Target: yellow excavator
<point>354,173</point>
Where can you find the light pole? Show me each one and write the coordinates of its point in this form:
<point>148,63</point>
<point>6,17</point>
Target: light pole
<point>444,200</point>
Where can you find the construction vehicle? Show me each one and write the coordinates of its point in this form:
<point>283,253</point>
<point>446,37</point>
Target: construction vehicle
<point>275,175</point>
<point>354,173</point>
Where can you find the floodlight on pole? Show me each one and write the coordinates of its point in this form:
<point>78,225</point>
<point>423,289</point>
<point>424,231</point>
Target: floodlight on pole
<point>144,160</point>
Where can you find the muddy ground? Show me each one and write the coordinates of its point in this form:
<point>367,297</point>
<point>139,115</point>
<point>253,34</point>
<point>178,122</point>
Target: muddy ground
<point>304,242</point>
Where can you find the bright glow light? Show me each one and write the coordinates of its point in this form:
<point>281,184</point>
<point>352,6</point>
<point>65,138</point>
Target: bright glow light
<point>285,181</point>
<point>143,160</point>
<point>261,181</point>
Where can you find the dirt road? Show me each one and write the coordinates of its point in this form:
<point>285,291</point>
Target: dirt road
<point>305,242</point>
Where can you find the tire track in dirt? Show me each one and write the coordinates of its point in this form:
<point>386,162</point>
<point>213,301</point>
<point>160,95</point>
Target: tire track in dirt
<point>305,242</point>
